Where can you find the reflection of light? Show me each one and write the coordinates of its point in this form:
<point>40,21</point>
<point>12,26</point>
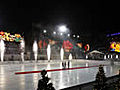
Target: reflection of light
<point>61,80</point>
<point>70,64</point>
<point>35,77</point>
<point>2,77</point>
<point>22,78</point>
<point>86,64</point>
<point>48,68</point>
<point>60,65</point>
<point>108,56</point>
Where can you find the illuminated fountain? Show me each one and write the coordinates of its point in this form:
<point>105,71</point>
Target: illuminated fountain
<point>48,52</point>
<point>22,47</point>
<point>2,50</point>
<point>104,56</point>
<point>86,56</point>
<point>111,56</point>
<point>70,56</point>
<point>35,50</point>
<point>117,56</point>
<point>62,53</point>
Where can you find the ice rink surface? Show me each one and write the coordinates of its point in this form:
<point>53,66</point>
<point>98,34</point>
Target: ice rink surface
<point>60,79</point>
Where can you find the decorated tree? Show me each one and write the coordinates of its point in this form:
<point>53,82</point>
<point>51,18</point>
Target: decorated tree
<point>43,83</point>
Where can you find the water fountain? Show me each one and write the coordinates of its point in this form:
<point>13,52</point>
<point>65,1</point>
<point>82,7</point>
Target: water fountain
<point>70,56</point>
<point>111,56</point>
<point>35,50</point>
<point>48,52</point>
<point>104,56</point>
<point>2,49</point>
<point>22,47</point>
<point>86,56</point>
<point>62,53</point>
<point>116,56</point>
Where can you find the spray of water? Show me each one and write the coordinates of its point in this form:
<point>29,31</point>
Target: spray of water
<point>104,56</point>
<point>22,47</point>
<point>62,53</point>
<point>70,56</point>
<point>2,49</point>
<point>48,52</point>
<point>35,50</point>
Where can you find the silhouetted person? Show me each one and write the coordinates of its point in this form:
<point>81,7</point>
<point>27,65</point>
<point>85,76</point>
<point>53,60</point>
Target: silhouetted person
<point>43,83</point>
<point>68,64</point>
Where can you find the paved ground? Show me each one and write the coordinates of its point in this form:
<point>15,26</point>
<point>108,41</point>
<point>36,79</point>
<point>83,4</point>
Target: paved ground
<point>60,79</point>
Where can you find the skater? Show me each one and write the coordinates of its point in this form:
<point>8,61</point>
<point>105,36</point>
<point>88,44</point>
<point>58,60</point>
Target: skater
<point>68,63</point>
<point>64,65</point>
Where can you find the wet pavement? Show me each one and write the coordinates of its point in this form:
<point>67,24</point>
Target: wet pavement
<point>60,79</point>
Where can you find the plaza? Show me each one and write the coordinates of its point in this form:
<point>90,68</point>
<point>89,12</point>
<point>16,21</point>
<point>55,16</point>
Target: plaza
<point>60,79</point>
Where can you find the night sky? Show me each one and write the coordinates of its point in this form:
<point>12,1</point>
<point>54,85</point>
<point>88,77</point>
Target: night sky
<point>85,17</point>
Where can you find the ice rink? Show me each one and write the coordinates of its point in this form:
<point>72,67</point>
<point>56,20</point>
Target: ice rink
<point>60,79</point>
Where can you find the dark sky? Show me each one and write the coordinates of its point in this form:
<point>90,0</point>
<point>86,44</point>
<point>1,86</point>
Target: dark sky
<point>88,17</point>
<point>93,17</point>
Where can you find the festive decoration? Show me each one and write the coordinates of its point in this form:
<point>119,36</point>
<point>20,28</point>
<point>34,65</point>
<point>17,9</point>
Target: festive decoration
<point>87,47</point>
<point>67,45</point>
<point>43,83</point>
<point>115,46</point>
<point>8,37</point>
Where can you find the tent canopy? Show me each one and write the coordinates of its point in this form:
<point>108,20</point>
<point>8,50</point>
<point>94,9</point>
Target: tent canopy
<point>95,51</point>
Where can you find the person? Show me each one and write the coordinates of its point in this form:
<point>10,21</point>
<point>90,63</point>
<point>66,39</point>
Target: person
<point>43,84</point>
<point>64,64</point>
<point>68,63</point>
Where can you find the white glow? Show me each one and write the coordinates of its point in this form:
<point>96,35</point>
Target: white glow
<point>70,56</point>
<point>86,56</point>
<point>111,56</point>
<point>116,56</point>
<point>62,53</point>
<point>35,50</point>
<point>68,35</point>
<point>78,36</point>
<point>108,56</point>
<point>73,35</point>
<point>54,32</point>
<point>2,50</point>
<point>63,28</point>
<point>86,64</point>
<point>44,31</point>
<point>22,47</point>
<point>61,34</point>
<point>104,56</point>
<point>48,52</point>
